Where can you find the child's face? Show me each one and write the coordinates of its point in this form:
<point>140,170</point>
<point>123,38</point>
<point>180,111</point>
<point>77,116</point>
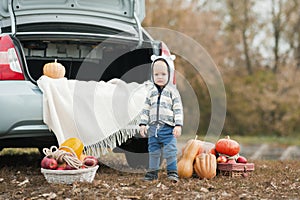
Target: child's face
<point>160,73</point>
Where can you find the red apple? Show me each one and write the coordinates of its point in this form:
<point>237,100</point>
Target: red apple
<point>222,159</point>
<point>241,159</point>
<point>90,161</point>
<point>60,168</point>
<point>231,161</point>
<point>49,163</point>
<point>68,167</point>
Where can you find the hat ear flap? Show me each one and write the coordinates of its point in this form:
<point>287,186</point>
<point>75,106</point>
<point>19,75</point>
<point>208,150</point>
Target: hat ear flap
<point>153,57</point>
<point>173,57</point>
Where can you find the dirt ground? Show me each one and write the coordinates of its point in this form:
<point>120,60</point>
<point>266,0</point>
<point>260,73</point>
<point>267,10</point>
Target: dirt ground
<point>20,178</point>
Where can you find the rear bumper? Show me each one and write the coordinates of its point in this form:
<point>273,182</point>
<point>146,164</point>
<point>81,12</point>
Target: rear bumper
<point>21,110</point>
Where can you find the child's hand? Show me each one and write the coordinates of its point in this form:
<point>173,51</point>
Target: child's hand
<point>143,130</point>
<point>177,131</point>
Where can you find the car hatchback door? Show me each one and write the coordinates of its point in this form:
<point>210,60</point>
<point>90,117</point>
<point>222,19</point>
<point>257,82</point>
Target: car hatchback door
<point>113,13</point>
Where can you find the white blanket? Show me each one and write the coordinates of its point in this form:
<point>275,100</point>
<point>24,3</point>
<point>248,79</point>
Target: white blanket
<point>98,113</point>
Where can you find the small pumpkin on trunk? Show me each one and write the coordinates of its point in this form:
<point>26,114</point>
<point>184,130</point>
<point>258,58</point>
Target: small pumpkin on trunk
<point>54,70</point>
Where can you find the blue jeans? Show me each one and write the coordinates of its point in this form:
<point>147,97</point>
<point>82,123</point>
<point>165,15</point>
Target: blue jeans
<point>162,141</point>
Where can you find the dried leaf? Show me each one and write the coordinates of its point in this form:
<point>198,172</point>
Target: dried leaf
<point>205,190</point>
<point>23,182</point>
<point>159,184</point>
<point>50,195</point>
<point>105,185</point>
<point>131,197</point>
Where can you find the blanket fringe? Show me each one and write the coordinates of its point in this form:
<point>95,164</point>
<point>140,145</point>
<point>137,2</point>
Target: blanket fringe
<point>109,143</point>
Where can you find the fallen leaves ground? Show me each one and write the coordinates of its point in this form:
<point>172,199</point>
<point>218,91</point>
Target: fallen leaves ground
<point>20,178</point>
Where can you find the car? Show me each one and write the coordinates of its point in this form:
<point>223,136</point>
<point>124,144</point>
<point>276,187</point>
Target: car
<point>90,38</point>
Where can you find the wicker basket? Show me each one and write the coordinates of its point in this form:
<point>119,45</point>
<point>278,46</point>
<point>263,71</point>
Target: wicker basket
<point>70,176</point>
<point>236,169</point>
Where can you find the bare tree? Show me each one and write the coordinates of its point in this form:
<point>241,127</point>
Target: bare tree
<point>282,17</point>
<point>292,32</point>
<point>244,29</point>
<point>241,20</point>
<point>277,27</point>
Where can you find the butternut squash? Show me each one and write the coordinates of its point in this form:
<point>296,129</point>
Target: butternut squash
<point>185,164</point>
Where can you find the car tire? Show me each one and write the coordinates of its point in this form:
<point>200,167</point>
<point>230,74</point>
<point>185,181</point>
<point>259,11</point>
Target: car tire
<point>137,160</point>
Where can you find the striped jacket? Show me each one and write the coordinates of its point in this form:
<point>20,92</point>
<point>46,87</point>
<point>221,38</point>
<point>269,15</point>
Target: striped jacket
<point>163,105</point>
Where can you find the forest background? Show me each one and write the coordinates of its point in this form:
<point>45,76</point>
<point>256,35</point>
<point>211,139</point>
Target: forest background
<point>256,46</point>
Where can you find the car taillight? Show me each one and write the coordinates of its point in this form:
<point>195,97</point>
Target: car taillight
<point>166,52</point>
<point>10,68</point>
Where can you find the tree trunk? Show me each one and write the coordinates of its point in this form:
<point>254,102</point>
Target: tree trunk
<point>277,33</point>
<point>297,50</point>
<point>244,37</point>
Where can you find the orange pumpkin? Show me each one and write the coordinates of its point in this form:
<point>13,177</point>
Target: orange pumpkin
<point>72,145</point>
<point>205,165</point>
<point>54,70</point>
<point>213,151</point>
<point>82,157</point>
<point>227,146</point>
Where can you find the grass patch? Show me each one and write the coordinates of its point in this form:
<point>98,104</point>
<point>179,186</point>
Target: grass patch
<point>286,141</point>
<point>18,151</point>
<point>259,139</point>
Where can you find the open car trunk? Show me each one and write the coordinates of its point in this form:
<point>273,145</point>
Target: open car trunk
<point>94,40</point>
<point>87,58</point>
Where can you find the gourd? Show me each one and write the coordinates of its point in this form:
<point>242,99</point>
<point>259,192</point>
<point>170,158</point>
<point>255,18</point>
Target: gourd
<point>72,144</point>
<point>185,164</point>
<point>54,70</point>
<point>200,149</point>
<point>206,147</point>
<point>213,151</point>
<point>227,146</point>
<point>205,165</point>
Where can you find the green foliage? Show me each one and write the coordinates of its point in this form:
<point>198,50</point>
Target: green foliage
<point>263,103</point>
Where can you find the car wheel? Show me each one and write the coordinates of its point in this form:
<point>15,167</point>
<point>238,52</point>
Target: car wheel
<point>137,160</point>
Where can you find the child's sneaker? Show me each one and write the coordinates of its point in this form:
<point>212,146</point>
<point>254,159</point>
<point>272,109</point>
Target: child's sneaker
<point>173,176</point>
<point>151,176</point>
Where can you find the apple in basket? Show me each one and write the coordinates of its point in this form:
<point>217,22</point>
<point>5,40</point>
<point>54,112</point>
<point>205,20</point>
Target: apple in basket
<point>68,167</point>
<point>241,159</point>
<point>65,166</point>
<point>222,159</point>
<point>48,163</point>
<point>90,161</point>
